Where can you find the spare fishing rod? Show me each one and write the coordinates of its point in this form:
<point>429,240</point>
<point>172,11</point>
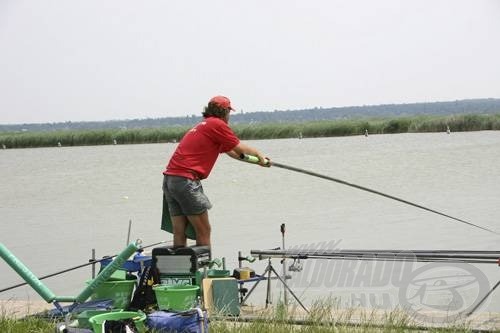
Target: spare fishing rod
<point>472,257</point>
<point>254,159</point>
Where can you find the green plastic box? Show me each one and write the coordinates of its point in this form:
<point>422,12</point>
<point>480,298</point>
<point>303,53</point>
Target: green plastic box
<point>226,296</point>
<point>218,273</point>
<point>120,291</point>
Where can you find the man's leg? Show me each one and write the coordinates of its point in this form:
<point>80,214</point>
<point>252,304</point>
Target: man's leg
<point>179,224</point>
<point>201,227</point>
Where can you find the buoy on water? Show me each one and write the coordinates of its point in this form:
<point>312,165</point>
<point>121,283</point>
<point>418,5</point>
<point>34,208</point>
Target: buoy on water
<point>59,144</point>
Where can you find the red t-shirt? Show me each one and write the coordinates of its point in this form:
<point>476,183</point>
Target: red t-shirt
<point>199,148</point>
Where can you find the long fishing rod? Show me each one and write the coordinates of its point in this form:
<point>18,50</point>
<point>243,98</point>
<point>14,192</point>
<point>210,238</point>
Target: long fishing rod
<point>91,262</point>
<point>254,159</point>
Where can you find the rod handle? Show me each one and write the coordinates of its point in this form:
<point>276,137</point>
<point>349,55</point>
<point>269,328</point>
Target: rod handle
<point>251,159</point>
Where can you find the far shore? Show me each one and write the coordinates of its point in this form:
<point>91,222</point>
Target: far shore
<point>260,131</point>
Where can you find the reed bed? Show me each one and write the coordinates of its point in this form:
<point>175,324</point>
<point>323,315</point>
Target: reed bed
<point>347,127</point>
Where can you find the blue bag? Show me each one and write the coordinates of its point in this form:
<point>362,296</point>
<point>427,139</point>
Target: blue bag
<point>191,321</point>
<point>106,304</point>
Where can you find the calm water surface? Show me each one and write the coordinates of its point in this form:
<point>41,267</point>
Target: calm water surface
<point>56,204</point>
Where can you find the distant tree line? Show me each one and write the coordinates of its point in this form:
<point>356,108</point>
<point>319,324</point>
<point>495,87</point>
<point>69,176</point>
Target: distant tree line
<point>471,106</point>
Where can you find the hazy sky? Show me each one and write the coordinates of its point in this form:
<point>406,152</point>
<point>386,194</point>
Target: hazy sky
<point>71,60</point>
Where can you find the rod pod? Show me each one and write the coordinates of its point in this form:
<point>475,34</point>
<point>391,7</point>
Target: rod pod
<point>30,278</point>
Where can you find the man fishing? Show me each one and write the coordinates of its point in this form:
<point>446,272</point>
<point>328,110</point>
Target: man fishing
<point>192,161</point>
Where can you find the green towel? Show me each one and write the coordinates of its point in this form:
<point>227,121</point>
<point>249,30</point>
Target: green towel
<point>166,222</point>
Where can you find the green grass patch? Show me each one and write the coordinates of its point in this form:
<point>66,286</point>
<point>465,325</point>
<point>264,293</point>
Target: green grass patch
<point>323,317</point>
<point>26,325</point>
<point>326,315</point>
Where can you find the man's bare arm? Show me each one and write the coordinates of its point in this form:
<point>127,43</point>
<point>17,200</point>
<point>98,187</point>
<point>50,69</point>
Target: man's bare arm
<point>242,148</point>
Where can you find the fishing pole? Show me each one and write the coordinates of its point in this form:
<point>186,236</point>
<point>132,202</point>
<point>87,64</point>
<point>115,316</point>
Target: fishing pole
<point>91,262</point>
<point>254,159</point>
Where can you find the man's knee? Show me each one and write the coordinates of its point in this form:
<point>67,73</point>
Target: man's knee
<point>204,227</point>
<point>200,223</point>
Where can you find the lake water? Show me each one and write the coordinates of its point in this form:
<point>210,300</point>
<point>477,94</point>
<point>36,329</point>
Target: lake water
<point>57,204</point>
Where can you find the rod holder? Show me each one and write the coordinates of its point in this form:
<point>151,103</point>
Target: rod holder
<point>26,274</point>
<point>108,270</point>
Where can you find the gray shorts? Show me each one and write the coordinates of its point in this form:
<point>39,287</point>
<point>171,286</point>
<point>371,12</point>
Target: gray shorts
<point>184,196</point>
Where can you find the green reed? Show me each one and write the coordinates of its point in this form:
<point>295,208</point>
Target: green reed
<point>327,128</point>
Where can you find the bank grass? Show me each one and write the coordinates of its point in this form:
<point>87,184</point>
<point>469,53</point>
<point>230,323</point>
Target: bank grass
<point>12,324</point>
<point>326,128</point>
<point>323,317</point>
<point>326,316</point>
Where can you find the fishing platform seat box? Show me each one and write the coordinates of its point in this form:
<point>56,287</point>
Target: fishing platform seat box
<point>180,265</point>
